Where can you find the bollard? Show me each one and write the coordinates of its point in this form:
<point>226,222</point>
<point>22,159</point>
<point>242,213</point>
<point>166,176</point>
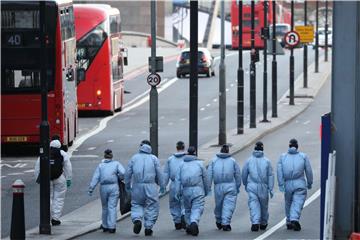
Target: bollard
<point>18,217</point>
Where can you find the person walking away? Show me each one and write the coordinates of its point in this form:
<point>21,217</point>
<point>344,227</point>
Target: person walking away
<point>258,179</point>
<point>192,185</point>
<point>142,176</point>
<point>60,177</point>
<point>170,170</point>
<point>107,173</point>
<point>290,174</point>
<point>225,172</point>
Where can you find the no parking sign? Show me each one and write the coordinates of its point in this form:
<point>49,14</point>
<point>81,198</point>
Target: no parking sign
<point>292,38</point>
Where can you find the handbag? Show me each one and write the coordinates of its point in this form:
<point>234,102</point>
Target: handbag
<point>125,199</point>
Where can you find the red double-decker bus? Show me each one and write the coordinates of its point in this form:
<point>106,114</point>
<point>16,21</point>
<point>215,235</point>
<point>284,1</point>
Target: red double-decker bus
<point>99,53</point>
<point>20,71</point>
<point>259,23</point>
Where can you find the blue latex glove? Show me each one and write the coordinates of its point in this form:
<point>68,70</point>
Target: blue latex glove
<point>309,186</point>
<point>282,188</point>
<point>271,194</point>
<point>162,190</point>
<point>68,183</point>
<point>90,192</point>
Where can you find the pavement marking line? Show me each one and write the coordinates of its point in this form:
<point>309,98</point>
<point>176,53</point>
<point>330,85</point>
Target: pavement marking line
<point>110,141</point>
<point>3,176</point>
<point>91,148</point>
<point>307,122</point>
<point>283,221</point>
<point>85,156</point>
<point>208,105</point>
<point>206,118</point>
<point>202,109</point>
<point>15,174</point>
<point>29,171</point>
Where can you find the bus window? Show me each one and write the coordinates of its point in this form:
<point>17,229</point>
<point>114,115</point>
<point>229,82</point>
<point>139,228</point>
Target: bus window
<point>114,25</point>
<point>28,19</point>
<point>89,45</point>
<point>24,80</point>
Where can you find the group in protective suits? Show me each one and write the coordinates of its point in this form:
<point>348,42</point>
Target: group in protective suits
<point>190,183</point>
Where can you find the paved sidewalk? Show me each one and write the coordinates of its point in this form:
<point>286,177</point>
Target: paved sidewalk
<point>87,218</point>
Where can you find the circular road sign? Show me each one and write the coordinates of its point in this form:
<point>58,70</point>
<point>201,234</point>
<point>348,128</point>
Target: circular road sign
<point>153,79</point>
<point>292,38</point>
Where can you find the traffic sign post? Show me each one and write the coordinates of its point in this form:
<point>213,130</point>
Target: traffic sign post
<point>292,39</point>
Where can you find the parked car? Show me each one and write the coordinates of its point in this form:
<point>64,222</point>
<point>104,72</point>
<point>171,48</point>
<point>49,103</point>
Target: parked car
<point>280,30</point>
<point>322,37</point>
<point>205,63</point>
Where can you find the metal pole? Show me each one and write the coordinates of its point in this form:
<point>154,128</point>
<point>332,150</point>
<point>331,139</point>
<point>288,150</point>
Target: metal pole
<point>44,227</point>
<point>317,38</point>
<point>240,76</point>
<point>291,102</point>
<point>252,70</point>
<point>274,64</point>
<point>326,30</point>
<point>305,50</point>
<point>193,108</point>
<point>265,37</point>
<point>222,80</point>
<point>153,92</point>
<point>182,23</point>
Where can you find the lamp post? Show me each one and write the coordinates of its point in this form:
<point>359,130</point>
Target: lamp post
<point>274,64</point>
<point>240,76</point>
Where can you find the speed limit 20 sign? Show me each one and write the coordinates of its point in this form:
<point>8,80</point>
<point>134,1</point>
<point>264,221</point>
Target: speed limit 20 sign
<point>153,79</point>
<point>292,38</point>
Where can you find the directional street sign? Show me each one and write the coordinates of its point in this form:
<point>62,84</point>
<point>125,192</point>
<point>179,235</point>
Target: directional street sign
<point>292,38</point>
<point>306,33</point>
<point>153,79</point>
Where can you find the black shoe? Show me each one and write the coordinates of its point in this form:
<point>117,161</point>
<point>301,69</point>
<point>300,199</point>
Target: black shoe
<point>55,222</point>
<point>219,226</point>
<point>183,222</point>
<point>112,230</point>
<point>104,229</point>
<point>226,228</point>
<point>263,226</point>
<point>255,227</point>
<point>289,226</point>
<point>148,232</point>
<point>296,225</point>
<point>137,227</point>
<point>178,226</point>
<point>194,229</point>
<point>188,231</point>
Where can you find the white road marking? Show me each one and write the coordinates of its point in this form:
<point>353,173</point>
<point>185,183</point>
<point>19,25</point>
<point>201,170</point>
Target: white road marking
<point>29,171</point>
<point>110,141</point>
<point>207,118</point>
<point>208,105</point>
<point>85,156</point>
<point>231,85</point>
<point>307,122</point>
<point>103,123</point>
<point>182,119</point>
<point>91,148</point>
<point>128,135</point>
<point>18,165</point>
<point>15,174</point>
<point>227,89</point>
<point>215,100</point>
<point>202,109</point>
<point>3,176</point>
<point>283,222</point>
